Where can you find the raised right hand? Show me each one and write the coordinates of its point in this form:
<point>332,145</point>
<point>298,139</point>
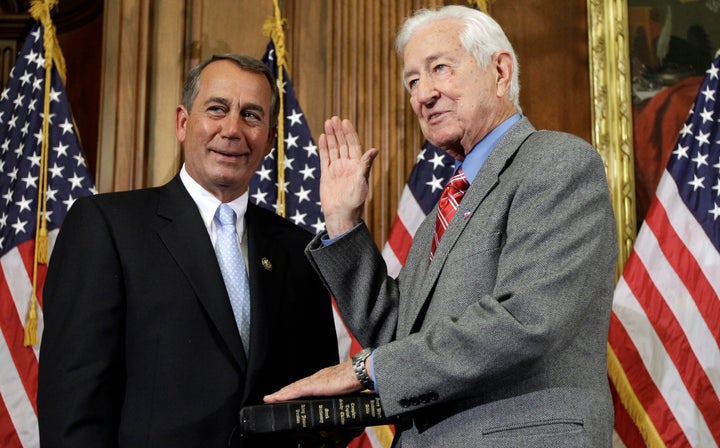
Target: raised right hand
<point>345,170</point>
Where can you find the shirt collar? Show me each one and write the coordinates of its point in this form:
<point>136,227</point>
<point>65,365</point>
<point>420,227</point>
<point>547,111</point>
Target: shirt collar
<point>207,203</point>
<point>478,155</point>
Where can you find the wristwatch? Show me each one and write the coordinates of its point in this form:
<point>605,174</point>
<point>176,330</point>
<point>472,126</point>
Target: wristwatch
<point>358,363</point>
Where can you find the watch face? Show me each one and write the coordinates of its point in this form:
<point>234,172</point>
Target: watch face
<point>362,354</point>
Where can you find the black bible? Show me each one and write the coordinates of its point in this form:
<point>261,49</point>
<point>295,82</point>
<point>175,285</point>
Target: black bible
<point>316,413</point>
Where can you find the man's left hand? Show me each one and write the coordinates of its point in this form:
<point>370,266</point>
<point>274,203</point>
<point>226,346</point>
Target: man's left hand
<point>336,380</point>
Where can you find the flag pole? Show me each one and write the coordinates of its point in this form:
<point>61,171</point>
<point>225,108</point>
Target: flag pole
<point>273,27</point>
<point>482,5</point>
<point>40,10</point>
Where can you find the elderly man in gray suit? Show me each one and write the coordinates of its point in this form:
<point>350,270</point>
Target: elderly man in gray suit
<point>494,334</point>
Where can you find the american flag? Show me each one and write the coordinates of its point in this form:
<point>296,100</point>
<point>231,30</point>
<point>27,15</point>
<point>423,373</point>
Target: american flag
<point>68,178</point>
<point>433,169</point>
<point>301,163</point>
<point>664,340</point>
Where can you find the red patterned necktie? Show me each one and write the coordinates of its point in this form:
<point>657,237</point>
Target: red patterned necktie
<point>448,205</point>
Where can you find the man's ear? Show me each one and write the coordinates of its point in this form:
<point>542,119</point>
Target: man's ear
<point>181,118</point>
<point>504,66</point>
<point>271,139</point>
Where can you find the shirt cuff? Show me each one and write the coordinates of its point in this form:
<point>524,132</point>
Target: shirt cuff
<point>325,241</point>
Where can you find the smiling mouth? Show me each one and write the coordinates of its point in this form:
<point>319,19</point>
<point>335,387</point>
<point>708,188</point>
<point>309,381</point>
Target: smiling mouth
<point>228,154</point>
<point>435,116</point>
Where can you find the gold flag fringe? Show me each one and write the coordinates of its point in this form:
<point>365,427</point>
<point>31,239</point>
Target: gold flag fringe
<point>40,10</point>
<point>631,402</point>
<point>273,27</point>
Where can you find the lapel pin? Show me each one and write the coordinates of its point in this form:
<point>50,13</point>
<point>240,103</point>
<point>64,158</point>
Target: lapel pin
<point>466,214</point>
<point>267,264</point>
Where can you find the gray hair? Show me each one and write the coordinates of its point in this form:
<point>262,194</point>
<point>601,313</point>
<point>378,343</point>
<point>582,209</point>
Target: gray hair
<point>481,37</point>
<point>246,63</point>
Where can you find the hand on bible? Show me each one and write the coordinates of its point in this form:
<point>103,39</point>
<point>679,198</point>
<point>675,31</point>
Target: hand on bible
<point>336,380</point>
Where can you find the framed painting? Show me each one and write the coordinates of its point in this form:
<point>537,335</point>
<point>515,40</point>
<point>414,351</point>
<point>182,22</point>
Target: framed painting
<point>647,61</point>
<point>611,111</point>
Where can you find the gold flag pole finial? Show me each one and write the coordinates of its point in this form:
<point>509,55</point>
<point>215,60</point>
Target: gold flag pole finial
<point>40,11</point>
<point>273,27</point>
<point>482,5</point>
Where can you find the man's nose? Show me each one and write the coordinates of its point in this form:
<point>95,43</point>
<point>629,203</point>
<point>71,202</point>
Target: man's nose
<point>425,90</point>
<point>232,125</point>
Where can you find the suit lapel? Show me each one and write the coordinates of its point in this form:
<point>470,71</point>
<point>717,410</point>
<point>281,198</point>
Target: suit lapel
<point>267,261</point>
<point>483,184</point>
<point>195,256</point>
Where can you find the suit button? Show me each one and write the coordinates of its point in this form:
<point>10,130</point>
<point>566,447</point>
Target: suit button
<point>433,396</point>
<point>404,403</point>
<point>414,401</point>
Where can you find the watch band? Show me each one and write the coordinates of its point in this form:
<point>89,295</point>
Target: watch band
<point>358,363</point>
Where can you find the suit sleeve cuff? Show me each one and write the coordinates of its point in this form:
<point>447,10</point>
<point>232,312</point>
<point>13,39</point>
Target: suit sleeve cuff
<point>326,241</point>
<point>372,372</point>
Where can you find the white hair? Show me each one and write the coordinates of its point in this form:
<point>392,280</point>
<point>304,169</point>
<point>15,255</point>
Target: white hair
<point>481,37</point>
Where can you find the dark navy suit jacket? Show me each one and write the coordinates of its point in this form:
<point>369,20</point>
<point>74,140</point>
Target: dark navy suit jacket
<point>140,347</point>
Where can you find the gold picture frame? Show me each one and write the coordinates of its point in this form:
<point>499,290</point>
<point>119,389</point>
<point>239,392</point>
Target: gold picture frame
<point>611,112</point>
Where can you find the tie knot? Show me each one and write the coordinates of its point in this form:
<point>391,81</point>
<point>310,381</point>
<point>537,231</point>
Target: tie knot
<point>459,182</point>
<point>225,215</point>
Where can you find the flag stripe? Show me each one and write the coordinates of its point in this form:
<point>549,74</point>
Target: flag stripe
<point>401,240</point>
<point>680,266</point>
<point>410,212</point>
<point>374,436</point>
<point>23,361</point>
<point>692,326</point>
<point>684,265</point>
<point>651,411</point>
<point>8,434</point>
<point>391,261</point>
<point>20,410</point>
<point>674,340</point>
<point>663,364</point>
<point>695,239</point>
<point>344,338</point>
<point>17,277</point>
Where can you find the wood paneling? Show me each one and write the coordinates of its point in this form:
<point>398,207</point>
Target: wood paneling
<point>167,66</point>
<point>82,82</point>
<point>123,136</point>
<point>552,47</point>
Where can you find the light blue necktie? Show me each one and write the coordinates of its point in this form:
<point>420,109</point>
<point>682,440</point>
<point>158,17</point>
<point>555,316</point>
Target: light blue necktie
<point>233,270</point>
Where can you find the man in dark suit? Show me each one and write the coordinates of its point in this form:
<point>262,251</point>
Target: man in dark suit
<point>141,347</point>
<point>494,334</point>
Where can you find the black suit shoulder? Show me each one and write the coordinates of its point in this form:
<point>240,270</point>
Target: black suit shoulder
<point>268,219</point>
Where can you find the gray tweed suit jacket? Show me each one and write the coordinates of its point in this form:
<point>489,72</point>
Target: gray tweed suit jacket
<point>500,341</point>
